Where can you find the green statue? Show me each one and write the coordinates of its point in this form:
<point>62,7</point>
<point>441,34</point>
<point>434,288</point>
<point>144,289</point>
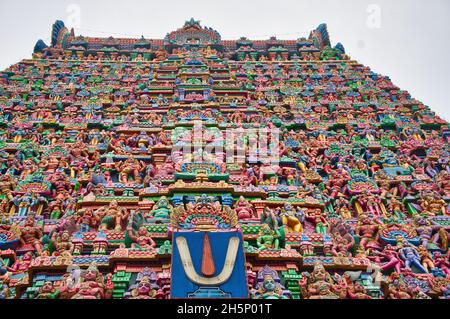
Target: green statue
<point>162,209</point>
<point>267,239</point>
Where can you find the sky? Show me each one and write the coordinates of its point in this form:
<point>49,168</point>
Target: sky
<point>404,39</point>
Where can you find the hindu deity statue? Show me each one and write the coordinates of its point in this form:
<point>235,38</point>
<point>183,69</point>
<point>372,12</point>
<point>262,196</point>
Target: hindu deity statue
<point>319,285</point>
<point>48,291</point>
<point>319,220</point>
<point>167,169</point>
<point>343,207</point>
<point>86,220</point>
<point>267,239</point>
<point>292,219</point>
<point>274,222</point>
<point>395,208</point>
<point>424,229</point>
<point>244,209</point>
<point>369,203</point>
<point>62,243</point>
<point>113,217</point>
<point>432,205</point>
<point>21,265</point>
<point>410,256</point>
<point>131,167</point>
<point>425,258</point>
<point>337,181</point>
<point>145,286</point>
<point>398,288</point>
<point>93,285</point>
<point>268,285</point>
<point>441,238</point>
<point>31,235</point>
<point>4,209</point>
<point>269,289</point>
<point>5,292</point>
<point>388,259</point>
<point>342,246</point>
<point>25,203</point>
<point>55,209</point>
<point>356,290</point>
<point>162,209</point>
<point>442,262</point>
<point>142,239</point>
<point>367,230</point>
<point>143,290</point>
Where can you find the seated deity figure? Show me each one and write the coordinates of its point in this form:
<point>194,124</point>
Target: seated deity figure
<point>167,169</point>
<point>432,205</point>
<point>319,284</point>
<point>267,239</point>
<point>93,285</point>
<point>244,209</point>
<point>113,217</point>
<point>47,291</point>
<point>162,209</point>
<point>292,219</point>
<point>130,168</point>
<point>142,239</point>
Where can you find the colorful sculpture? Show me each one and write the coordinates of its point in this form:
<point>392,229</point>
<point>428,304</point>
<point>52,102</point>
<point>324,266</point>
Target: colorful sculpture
<point>315,176</point>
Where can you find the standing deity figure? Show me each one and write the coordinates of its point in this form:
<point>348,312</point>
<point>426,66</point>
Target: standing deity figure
<point>425,258</point>
<point>367,230</point>
<point>370,203</point>
<point>25,203</point>
<point>30,235</point>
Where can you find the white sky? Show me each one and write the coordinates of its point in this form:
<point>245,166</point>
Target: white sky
<point>405,39</point>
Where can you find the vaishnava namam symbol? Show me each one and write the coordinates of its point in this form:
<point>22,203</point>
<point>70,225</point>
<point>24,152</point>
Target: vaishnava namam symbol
<point>208,267</point>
